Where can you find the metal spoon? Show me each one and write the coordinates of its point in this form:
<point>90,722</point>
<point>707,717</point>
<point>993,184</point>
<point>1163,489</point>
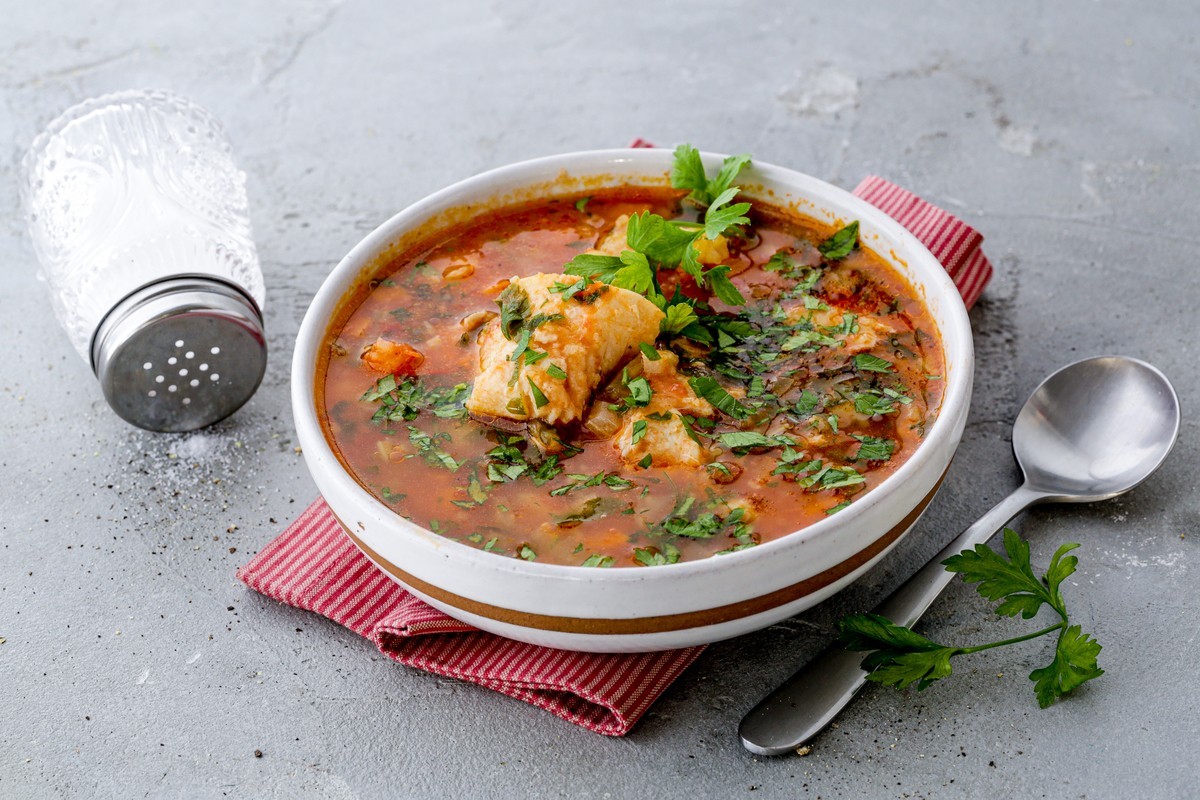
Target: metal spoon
<point>1093,430</point>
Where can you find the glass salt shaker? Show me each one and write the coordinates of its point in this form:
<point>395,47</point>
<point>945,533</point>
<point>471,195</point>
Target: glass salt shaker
<point>140,223</point>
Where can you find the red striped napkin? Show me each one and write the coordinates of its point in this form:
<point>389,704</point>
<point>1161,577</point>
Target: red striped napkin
<point>314,566</point>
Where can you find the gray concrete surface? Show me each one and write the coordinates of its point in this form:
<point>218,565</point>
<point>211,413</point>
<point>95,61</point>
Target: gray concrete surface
<point>134,664</point>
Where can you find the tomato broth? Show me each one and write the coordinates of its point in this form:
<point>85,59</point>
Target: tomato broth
<point>821,384</point>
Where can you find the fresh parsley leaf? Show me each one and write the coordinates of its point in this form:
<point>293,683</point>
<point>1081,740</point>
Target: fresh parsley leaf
<point>722,287</point>
<point>872,405</point>
<point>654,557</point>
<point>808,341</point>
<point>476,491</point>
<point>582,481</point>
<point>659,240</point>
<point>728,173</point>
<point>585,512</point>
<point>901,657</point>
<point>1074,664</point>
<point>526,552</point>
<point>534,356</point>
<point>806,404</point>
<point>687,172</point>
<point>635,274</point>
<point>841,243</point>
<point>1010,578</point>
<point>721,216</point>
<point>678,317</point>
<point>831,477</point>
<point>781,262</point>
<point>514,308</point>
<point>569,290</point>
<point>581,204</point>
<point>428,447</point>
<point>594,267</point>
<point>869,363</point>
<point>539,398</point>
<point>744,439</point>
<point>639,391</point>
<point>597,560</point>
<point>404,400</point>
<point>499,472</point>
<point>638,431</point>
<point>649,351</point>
<point>873,449</point>
<point>547,470</point>
<point>708,388</point>
<point>685,520</point>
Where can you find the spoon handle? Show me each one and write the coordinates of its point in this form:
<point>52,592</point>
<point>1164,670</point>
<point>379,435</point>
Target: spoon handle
<point>809,700</point>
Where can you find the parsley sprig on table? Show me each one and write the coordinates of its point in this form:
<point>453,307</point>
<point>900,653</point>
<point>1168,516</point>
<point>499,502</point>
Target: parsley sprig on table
<point>900,657</point>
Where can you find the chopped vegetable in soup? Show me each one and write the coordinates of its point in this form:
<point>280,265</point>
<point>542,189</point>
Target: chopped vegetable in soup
<point>636,377</point>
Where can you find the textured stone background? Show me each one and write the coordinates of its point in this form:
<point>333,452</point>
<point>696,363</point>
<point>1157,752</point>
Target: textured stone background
<point>135,664</point>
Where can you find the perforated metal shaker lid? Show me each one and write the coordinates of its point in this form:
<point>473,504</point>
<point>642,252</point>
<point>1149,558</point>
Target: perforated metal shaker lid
<point>180,353</point>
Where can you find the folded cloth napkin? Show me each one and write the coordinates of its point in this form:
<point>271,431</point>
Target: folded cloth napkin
<point>314,566</point>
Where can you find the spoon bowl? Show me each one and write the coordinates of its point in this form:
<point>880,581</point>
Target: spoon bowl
<point>1095,429</point>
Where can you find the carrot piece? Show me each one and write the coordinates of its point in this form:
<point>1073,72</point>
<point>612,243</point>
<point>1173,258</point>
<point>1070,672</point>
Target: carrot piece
<point>394,358</point>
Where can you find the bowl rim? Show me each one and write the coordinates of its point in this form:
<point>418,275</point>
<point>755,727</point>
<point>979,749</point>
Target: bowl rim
<point>483,185</point>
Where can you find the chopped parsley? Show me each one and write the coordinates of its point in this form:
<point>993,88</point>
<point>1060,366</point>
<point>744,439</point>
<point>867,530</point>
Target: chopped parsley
<point>869,363</point>
<point>583,481</point>
<point>539,398</point>
<point>404,400</point>
<point>841,244</point>
<point>708,388</point>
<point>873,449</point>
<point>429,448</point>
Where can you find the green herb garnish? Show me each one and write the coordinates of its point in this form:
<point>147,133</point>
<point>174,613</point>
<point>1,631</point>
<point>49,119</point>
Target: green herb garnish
<point>539,398</point>
<point>514,308</point>
<point>741,440</point>
<point>687,172</point>
<point>806,404</point>
<point>713,392</point>
<point>404,400</point>
<point>656,243</point>
<point>873,449</point>
<point>582,481</point>
<point>869,363</point>
<point>902,657</point>
<point>841,243</point>
<point>872,404</point>
<point>665,553</point>
<point>428,447</point>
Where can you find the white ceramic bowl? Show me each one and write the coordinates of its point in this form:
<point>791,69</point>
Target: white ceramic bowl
<point>636,608</point>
